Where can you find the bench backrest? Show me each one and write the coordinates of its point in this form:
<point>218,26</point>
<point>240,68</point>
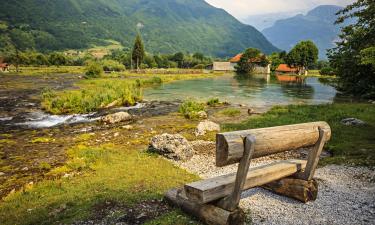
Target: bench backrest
<point>271,140</point>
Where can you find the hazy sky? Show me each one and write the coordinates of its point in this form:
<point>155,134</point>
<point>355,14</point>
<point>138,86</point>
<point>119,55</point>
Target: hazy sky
<point>243,8</point>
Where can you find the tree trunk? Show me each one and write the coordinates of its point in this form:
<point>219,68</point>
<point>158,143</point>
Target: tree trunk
<point>301,190</point>
<point>208,213</point>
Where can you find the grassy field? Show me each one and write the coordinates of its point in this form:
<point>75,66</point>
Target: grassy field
<point>108,173</point>
<point>353,145</point>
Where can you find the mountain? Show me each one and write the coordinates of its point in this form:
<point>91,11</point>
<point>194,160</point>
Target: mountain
<point>166,25</point>
<point>317,25</point>
<point>263,21</point>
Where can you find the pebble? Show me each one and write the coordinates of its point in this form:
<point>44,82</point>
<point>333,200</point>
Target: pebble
<point>2,174</point>
<point>345,196</point>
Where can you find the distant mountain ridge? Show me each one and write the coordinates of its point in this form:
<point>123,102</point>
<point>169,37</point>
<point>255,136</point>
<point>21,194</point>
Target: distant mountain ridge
<point>166,25</point>
<point>317,25</point>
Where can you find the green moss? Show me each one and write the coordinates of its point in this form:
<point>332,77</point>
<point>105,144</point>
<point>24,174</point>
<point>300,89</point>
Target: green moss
<point>7,142</point>
<point>42,140</point>
<point>231,112</point>
<point>353,145</point>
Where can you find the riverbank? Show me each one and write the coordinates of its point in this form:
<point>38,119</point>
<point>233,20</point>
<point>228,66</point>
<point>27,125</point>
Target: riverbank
<point>108,170</point>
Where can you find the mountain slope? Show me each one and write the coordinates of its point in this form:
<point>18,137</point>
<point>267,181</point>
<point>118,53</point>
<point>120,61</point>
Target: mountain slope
<point>166,25</point>
<point>317,25</point>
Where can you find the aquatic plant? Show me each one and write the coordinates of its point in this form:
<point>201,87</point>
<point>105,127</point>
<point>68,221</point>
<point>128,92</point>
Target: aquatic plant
<point>190,109</point>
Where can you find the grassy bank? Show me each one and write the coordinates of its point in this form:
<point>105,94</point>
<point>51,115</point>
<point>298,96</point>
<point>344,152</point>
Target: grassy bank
<point>105,173</point>
<point>353,145</point>
<point>112,90</point>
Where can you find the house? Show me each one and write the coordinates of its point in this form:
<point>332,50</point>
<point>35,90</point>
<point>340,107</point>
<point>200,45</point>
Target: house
<point>231,65</point>
<point>286,69</point>
<point>4,67</point>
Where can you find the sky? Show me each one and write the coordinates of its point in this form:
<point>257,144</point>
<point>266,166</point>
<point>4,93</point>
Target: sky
<point>243,8</point>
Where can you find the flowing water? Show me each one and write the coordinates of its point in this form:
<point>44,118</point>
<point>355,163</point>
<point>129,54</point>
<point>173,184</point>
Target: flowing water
<point>258,91</point>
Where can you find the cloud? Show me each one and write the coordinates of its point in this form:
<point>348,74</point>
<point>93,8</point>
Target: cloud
<point>244,8</point>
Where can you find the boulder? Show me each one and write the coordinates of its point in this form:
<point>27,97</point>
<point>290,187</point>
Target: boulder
<point>205,126</point>
<point>204,147</point>
<point>352,122</point>
<point>117,117</point>
<point>172,146</point>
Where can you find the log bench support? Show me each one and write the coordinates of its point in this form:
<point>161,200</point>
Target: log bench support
<point>216,200</point>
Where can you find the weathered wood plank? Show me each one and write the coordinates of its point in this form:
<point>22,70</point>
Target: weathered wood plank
<point>301,190</point>
<point>313,157</point>
<point>208,213</point>
<point>208,190</point>
<point>271,140</point>
<point>231,202</point>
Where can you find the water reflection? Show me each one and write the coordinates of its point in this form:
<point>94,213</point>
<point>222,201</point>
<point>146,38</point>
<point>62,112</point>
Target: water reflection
<point>254,90</point>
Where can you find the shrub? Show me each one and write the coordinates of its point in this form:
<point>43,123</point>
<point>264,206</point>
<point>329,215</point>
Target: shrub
<point>213,101</point>
<point>93,70</point>
<point>327,71</point>
<point>112,65</point>
<point>190,109</point>
<point>199,67</point>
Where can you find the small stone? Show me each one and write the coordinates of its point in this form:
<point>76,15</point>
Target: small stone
<point>202,115</point>
<point>127,127</point>
<point>116,134</point>
<point>117,117</point>
<point>352,122</point>
<point>2,174</point>
<point>25,169</point>
<point>205,126</point>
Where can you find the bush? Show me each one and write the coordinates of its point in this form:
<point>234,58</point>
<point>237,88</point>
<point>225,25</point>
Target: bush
<point>190,109</point>
<point>93,70</point>
<point>112,65</point>
<point>213,101</point>
<point>199,67</point>
<point>327,71</point>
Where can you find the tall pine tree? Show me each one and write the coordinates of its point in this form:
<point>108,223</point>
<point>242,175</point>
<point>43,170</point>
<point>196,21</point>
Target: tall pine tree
<point>138,50</point>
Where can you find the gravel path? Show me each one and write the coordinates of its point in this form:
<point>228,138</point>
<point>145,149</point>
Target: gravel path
<point>346,195</point>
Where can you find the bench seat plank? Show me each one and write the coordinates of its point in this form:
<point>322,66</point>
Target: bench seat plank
<point>208,190</point>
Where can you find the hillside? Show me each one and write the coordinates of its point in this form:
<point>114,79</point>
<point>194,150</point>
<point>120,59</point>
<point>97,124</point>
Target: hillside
<point>166,25</point>
<point>317,25</point>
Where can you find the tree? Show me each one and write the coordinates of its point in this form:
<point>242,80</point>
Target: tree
<point>303,55</point>
<point>353,58</point>
<point>138,51</point>
<point>276,60</point>
<point>247,63</point>
<point>178,58</point>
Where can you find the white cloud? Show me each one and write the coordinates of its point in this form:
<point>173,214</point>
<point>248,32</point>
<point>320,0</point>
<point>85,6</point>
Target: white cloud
<point>243,8</point>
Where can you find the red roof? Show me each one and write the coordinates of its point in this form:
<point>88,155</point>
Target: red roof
<point>286,68</point>
<point>237,58</point>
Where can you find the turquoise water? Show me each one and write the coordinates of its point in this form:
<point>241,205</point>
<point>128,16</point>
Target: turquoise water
<point>260,91</point>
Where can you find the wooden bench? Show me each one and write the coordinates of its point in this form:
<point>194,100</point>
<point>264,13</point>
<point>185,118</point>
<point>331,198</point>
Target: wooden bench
<point>216,200</point>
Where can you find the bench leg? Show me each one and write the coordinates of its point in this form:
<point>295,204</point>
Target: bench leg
<point>313,157</point>
<point>231,202</point>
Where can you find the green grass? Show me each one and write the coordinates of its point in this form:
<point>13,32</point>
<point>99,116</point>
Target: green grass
<point>47,70</point>
<point>92,95</point>
<point>42,140</point>
<point>213,102</point>
<point>230,112</point>
<point>190,109</point>
<point>108,173</point>
<point>353,145</point>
